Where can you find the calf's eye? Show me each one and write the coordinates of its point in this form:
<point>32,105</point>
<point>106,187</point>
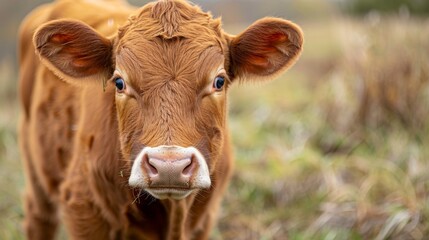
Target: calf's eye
<point>218,83</point>
<point>120,84</point>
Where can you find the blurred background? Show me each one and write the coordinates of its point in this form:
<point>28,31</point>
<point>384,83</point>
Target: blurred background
<point>336,148</point>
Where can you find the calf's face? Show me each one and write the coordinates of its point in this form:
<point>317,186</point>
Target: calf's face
<point>171,65</point>
<point>171,110</point>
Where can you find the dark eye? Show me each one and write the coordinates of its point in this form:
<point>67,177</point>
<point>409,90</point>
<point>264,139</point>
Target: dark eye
<point>218,83</point>
<point>120,84</point>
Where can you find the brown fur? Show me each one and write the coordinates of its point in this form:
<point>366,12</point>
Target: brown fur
<point>79,136</point>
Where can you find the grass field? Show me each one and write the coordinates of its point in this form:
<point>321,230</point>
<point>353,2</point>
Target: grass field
<point>333,149</point>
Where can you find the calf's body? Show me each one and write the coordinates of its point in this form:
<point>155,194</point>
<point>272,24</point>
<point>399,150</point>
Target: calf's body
<point>124,130</point>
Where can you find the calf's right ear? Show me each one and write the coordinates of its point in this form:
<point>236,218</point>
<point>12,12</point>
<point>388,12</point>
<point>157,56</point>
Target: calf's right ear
<point>74,50</point>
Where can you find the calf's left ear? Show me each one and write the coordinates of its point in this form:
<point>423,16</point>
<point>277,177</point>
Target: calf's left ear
<point>265,49</point>
<point>73,50</point>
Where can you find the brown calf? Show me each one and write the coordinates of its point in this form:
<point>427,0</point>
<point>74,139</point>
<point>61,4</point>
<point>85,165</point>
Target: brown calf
<point>134,143</point>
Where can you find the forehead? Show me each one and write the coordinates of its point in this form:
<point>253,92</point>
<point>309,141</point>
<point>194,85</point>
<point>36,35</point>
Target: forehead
<point>169,37</point>
<point>170,19</point>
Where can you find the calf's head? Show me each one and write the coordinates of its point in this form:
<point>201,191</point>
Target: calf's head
<point>171,65</point>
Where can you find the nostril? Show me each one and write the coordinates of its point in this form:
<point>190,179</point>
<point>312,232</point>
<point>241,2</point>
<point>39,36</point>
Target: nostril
<point>150,168</point>
<point>189,169</point>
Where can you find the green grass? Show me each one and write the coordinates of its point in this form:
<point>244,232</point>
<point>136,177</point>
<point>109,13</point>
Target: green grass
<point>306,166</point>
<point>11,177</point>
